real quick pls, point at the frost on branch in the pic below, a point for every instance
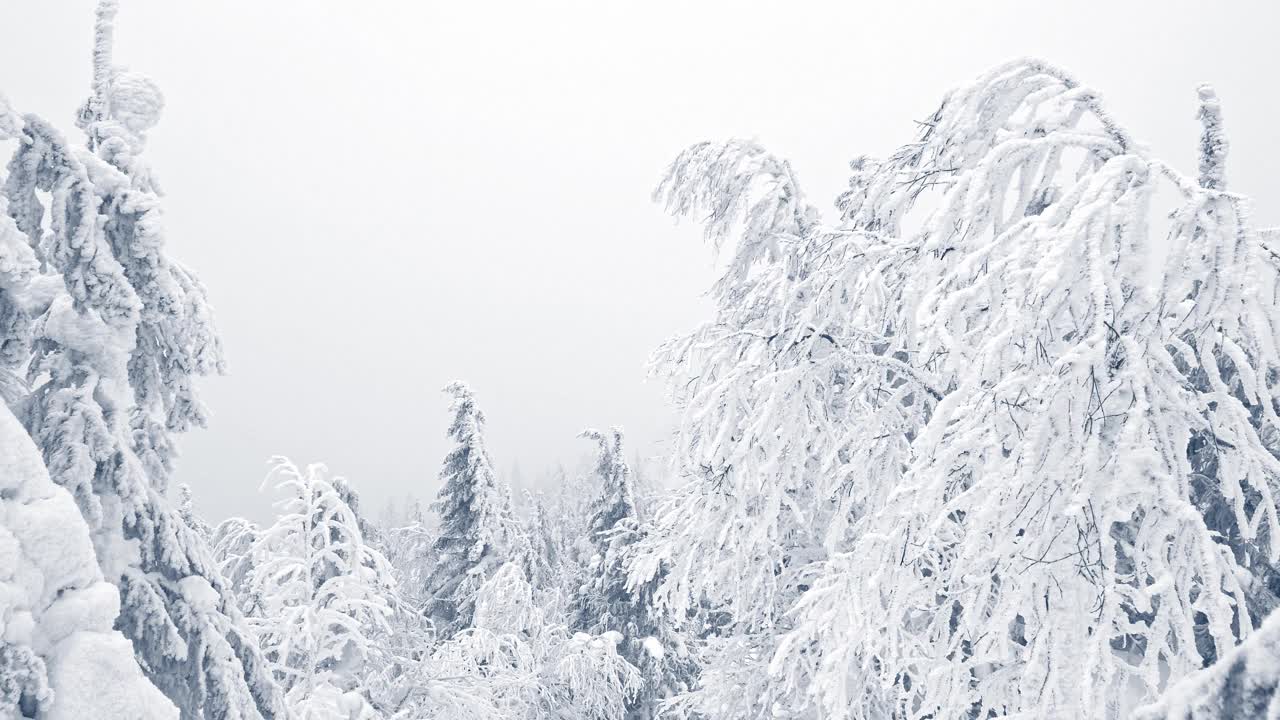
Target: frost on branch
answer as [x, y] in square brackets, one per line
[232, 544]
[1052, 510]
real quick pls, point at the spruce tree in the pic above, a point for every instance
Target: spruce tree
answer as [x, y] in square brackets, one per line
[186, 510]
[114, 353]
[542, 564]
[609, 601]
[1244, 683]
[468, 545]
[60, 657]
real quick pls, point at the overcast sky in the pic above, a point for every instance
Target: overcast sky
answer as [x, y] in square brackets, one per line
[383, 196]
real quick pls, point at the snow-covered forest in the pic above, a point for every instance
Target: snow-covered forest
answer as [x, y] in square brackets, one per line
[997, 434]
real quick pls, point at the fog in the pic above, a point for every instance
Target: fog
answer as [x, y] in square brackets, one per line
[385, 196]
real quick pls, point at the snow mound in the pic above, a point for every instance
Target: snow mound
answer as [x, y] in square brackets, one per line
[93, 674]
[136, 100]
[654, 647]
[199, 594]
[54, 602]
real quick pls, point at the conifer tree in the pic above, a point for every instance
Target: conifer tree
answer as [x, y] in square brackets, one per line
[609, 602]
[60, 657]
[113, 355]
[471, 533]
[348, 494]
[186, 510]
[542, 566]
[604, 603]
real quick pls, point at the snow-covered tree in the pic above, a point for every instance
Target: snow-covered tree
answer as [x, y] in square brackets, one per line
[469, 542]
[60, 658]
[111, 336]
[608, 602]
[186, 510]
[233, 544]
[602, 601]
[515, 662]
[987, 392]
[794, 417]
[1243, 684]
[566, 519]
[616, 497]
[371, 533]
[325, 594]
[543, 560]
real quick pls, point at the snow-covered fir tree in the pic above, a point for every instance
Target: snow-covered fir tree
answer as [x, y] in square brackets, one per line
[186, 510]
[370, 531]
[607, 601]
[111, 336]
[602, 601]
[60, 657]
[325, 594]
[567, 518]
[543, 560]
[469, 541]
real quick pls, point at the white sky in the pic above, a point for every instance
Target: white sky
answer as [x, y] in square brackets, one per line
[384, 196]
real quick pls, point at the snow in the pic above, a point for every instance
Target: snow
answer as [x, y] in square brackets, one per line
[10, 121]
[654, 648]
[93, 607]
[136, 101]
[93, 675]
[17, 260]
[199, 594]
[1242, 684]
[53, 599]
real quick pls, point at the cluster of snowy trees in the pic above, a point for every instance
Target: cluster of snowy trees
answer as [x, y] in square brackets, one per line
[487, 611]
[997, 439]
